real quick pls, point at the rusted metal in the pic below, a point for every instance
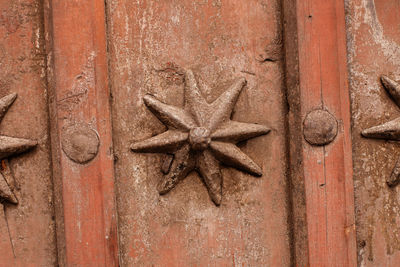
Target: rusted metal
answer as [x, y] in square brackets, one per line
[27, 230]
[80, 142]
[201, 135]
[219, 39]
[319, 127]
[10, 146]
[388, 130]
[151, 44]
[394, 178]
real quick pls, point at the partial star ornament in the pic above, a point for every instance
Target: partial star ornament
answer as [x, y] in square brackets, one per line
[9, 146]
[389, 130]
[201, 135]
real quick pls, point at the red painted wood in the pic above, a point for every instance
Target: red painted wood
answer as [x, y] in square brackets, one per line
[7, 254]
[151, 43]
[328, 169]
[80, 91]
[27, 230]
[374, 39]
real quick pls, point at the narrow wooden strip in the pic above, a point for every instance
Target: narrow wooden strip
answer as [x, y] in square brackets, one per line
[298, 215]
[79, 95]
[327, 170]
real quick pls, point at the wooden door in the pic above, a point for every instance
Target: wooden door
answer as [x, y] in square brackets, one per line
[199, 133]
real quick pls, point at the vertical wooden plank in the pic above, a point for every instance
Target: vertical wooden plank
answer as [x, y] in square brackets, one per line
[373, 43]
[80, 100]
[27, 230]
[151, 44]
[327, 169]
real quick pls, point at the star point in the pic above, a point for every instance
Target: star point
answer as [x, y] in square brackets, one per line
[389, 130]
[9, 147]
[5, 103]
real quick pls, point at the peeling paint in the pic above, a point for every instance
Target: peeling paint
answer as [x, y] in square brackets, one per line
[22, 70]
[372, 53]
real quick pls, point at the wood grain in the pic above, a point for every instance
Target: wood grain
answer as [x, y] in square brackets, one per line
[327, 169]
[31, 227]
[151, 44]
[79, 94]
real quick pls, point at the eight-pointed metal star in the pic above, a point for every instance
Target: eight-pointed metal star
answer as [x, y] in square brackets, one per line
[201, 135]
[389, 130]
[9, 146]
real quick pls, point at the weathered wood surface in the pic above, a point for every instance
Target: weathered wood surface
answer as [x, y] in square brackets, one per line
[151, 43]
[27, 230]
[327, 169]
[374, 50]
[79, 95]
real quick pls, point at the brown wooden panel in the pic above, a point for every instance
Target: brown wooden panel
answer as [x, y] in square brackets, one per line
[374, 43]
[151, 44]
[30, 224]
[80, 101]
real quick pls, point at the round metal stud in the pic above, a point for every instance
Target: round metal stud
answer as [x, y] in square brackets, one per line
[199, 138]
[320, 127]
[80, 143]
